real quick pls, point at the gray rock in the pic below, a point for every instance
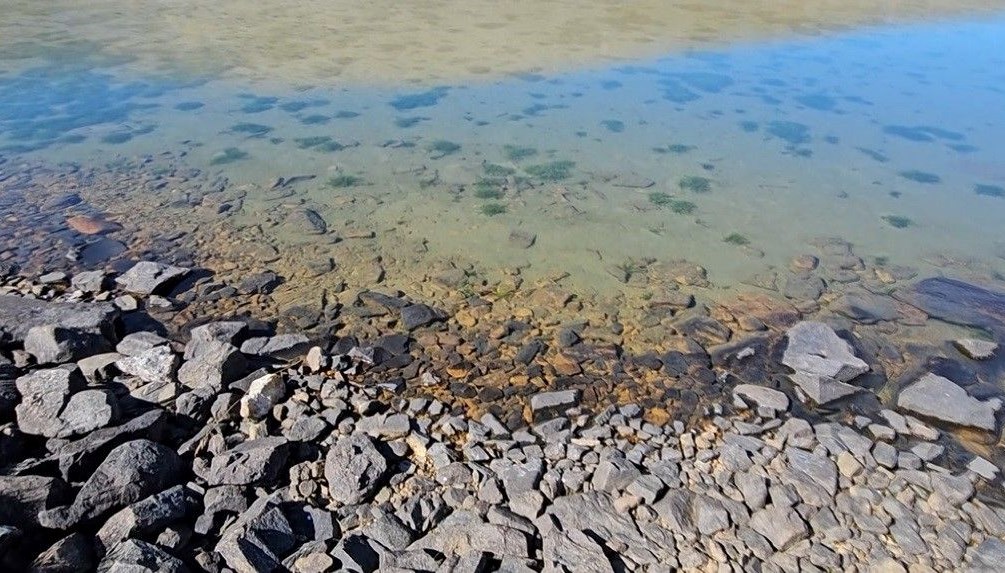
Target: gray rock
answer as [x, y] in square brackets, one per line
[306, 221]
[353, 469]
[279, 347]
[44, 394]
[258, 540]
[940, 399]
[87, 411]
[224, 332]
[51, 344]
[19, 315]
[78, 459]
[983, 467]
[153, 365]
[595, 512]
[976, 349]
[135, 556]
[765, 397]
[139, 342]
[100, 367]
[388, 530]
[22, 497]
[68, 555]
[709, 515]
[822, 361]
[574, 551]
[418, 315]
[519, 478]
[212, 365]
[866, 308]
[260, 283]
[90, 281]
[263, 394]
[989, 555]
[145, 516]
[253, 462]
[547, 402]
[781, 525]
[464, 533]
[147, 277]
[131, 472]
[614, 475]
[820, 469]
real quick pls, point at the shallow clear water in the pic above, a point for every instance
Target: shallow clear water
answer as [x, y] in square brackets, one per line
[733, 155]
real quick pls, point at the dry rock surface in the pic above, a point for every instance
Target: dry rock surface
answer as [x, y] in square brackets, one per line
[226, 446]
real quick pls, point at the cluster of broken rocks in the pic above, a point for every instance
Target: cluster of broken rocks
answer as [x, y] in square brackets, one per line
[125, 448]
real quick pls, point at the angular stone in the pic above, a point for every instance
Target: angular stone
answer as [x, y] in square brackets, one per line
[147, 277]
[90, 281]
[976, 349]
[51, 344]
[87, 411]
[940, 399]
[614, 475]
[781, 525]
[22, 497]
[154, 365]
[548, 402]
[822, 470]
[252, 462]
[213, 365]
[279, 347]
[139, 342]
[258, 540]
[131, 472]
[78, 459]
[353, 469]
[145, 516]
[574, 551]
[417, 315]
[71, 553]
[263, 394]
[19, 315]
[136, 556]
[815, 349]
[762, 396]
[463, 533]
[44, 394]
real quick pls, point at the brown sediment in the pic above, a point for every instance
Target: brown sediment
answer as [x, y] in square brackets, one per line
[316, 41]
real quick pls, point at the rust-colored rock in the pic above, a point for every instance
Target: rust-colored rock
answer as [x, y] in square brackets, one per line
[92, 225]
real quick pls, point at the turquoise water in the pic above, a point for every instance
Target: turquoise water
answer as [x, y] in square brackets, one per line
[734, 158]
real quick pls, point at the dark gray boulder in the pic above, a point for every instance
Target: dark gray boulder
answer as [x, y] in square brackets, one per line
[79, 458]
[258, 540]
[130, 473]
[135, 556]
[146, 516]
[252, 462]
[147, 277]
[19, 315]
[22, 497]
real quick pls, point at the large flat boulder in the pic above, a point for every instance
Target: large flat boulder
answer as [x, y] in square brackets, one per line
[941, 399]
[823, 362]
[93, 321]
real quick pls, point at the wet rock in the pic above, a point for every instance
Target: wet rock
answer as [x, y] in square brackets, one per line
[131, 472]
[957, 302]
[306, 221]
[22, 497]
[804, 288]
[136, 556]
[522, 239]
[257, 461]
[353, 469]
[706, 330]
[940, 399]
[418, 315]
[866, 308]
[147, 277]
[92, 225]
[822, 361]
[976, 349]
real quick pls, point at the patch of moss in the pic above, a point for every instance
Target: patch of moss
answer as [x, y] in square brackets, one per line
[251, 129]
[442, 148]
[189, 105]
[552, 171]
[229, 155]
[319, 143]
[344, 180]
[660, 198]
[696, 184]
[315, 119]
[516, 152]
[989, 190]
[736, 239]
[898, 221]
[496, 170]
[920, 176]
[492, 209]
[683, 207]
[487, 189]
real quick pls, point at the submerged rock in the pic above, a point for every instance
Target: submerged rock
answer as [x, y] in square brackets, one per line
[976, 349]
[958, 302]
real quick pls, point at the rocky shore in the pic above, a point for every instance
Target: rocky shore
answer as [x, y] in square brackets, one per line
[137, 437]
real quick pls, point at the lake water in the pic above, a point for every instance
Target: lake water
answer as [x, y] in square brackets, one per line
[577, 143]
